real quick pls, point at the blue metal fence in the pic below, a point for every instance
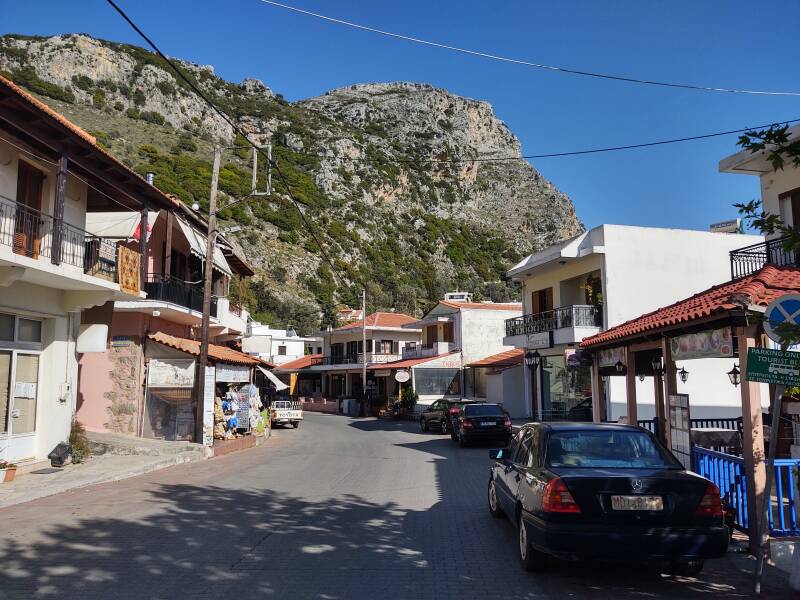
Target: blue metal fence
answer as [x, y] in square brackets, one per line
[728, 473]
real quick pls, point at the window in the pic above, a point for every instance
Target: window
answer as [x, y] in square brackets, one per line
[29, 186]
[383, 346]
[281, 350]
[609, 449]
[541, 301]
[438, 382]
[7, 328]
[523, 452]
[448, 333]
[29, 330]
[483, 410]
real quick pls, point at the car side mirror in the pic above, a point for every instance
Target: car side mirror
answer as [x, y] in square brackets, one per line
[496, 453]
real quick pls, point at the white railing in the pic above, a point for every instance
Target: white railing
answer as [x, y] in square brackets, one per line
[425, 350]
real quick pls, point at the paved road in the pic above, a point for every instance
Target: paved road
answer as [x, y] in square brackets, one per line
[337, 509]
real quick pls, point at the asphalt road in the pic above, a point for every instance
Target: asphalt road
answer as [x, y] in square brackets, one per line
[336, 509]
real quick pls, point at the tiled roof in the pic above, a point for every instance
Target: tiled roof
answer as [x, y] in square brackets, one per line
[299, 363]
[760, 288]
[215, 353]
[509, 358]
[380, 319]
[406, 363]
[483, 305]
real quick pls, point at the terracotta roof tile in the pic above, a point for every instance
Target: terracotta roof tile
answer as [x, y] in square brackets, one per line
[215, 353]
[509, 358]
[760, 288]
[380, 319]
[299, 363]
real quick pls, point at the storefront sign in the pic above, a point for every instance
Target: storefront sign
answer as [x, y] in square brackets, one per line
[171, 373]
[382, 373]
[208, 407]
[612, 356]
[538, 341]
[714, 343]
[773, 366]
[232, 373]
[402, 376]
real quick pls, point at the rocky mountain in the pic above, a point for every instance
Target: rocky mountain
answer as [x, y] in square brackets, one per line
[378, 171]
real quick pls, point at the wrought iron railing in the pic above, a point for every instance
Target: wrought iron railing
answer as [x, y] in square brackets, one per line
[176, 291]
[355, 359]
[31, 233]
[578, 315]
[748, 260]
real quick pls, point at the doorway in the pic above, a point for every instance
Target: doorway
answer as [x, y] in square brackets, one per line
[19, 378]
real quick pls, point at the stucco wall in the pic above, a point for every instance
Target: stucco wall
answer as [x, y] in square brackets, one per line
[774, 184]
[482, 332]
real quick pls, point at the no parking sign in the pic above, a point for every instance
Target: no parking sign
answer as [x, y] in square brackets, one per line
[781, 312]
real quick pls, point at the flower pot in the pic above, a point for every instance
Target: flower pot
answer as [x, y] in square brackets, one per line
[9, 475]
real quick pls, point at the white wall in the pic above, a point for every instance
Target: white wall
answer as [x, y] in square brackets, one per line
[775, 183]
[482, 332]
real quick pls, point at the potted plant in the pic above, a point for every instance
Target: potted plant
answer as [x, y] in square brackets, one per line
[9, 470]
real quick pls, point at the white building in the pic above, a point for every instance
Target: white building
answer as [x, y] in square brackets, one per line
[279, 346]
[599, 279]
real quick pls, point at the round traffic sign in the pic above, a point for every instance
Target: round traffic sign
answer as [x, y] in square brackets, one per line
[782, 311]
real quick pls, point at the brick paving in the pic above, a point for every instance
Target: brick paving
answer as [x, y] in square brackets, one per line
[336, 509]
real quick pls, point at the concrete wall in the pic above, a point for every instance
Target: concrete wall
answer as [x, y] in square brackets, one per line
[508, 388]
[553, 275]
[482, 332]
[774, 184]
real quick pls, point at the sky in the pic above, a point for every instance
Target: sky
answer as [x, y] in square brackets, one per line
[732, 44]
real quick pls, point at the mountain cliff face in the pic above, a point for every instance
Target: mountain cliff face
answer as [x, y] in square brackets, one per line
[378, 171]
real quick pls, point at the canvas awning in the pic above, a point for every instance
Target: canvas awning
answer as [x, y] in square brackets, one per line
[197, 246]
[279, 385]
[117, 225]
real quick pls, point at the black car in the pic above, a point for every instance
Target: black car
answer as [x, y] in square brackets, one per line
[439, 414]
[604, 491]
[485, 422]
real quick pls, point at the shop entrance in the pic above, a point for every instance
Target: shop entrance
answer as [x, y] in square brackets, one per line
[19, 378]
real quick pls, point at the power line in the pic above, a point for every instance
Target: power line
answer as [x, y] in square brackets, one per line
[230, 122]
[525, 63]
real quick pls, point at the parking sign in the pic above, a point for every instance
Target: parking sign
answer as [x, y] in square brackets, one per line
[773, 366]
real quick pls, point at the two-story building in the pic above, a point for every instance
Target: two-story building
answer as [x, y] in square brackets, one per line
[279, 346]
[52, 269]
[602, 278]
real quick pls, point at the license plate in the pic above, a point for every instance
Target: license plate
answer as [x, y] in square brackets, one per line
[650, 503]
[488, 423]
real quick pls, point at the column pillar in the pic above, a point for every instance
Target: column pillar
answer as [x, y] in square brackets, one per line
[58, 211]
[598, 389]
[752, 437]
[630, 385]
[670, 385]
[143, 243]
[658, 383]
[168, 245]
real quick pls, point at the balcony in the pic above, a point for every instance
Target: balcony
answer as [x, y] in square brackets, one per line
[355, 359]
[748, 260]
[176, 291]
[569, 324]
[34, 234]
[425, 350]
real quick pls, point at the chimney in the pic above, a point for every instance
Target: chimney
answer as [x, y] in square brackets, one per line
[150, 176]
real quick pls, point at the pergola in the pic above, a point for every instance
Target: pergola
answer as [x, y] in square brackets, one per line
[736, 307]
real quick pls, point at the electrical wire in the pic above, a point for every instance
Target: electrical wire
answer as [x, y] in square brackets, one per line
[230, 122]
[525, 63]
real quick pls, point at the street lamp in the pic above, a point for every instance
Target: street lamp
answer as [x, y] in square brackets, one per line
[733, 374]
[683, 374]
[533, 359]
[658, 368]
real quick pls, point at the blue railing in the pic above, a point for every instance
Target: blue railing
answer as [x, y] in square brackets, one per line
[728, 473]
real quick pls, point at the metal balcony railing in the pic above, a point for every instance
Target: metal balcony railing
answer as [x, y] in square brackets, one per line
[748, 260]
[32, 233]
[578, 315]
[355, 359]
[176, 291]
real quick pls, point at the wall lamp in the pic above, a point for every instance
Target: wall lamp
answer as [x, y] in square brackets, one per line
[683, 374]
[658, 367]
[619, 366]
[734, 374]
[533, 359]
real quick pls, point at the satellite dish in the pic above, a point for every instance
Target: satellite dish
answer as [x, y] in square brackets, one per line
[402, 376]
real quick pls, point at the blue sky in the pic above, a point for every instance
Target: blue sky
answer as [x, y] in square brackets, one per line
[698, 42]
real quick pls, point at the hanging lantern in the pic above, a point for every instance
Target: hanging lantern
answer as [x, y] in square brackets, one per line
[733, 374]
[533, 359]
[641, 376]
[658, 369]
[619, 366]
[683, 374]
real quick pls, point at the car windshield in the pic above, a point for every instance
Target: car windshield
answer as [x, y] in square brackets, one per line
[483, 410]
[611, 449]
[282, 404]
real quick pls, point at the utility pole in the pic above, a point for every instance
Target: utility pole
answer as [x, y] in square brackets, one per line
[207, 280]
[364, 353]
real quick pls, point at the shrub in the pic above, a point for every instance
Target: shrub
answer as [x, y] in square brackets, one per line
[82, 82]
[152, 116]
[99, 98]
[133, 113]
[138, 97]
[118, 106]
[166, 88]
[79, 442]
[28, 78]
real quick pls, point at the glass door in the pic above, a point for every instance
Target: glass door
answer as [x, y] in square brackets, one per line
[19, 377]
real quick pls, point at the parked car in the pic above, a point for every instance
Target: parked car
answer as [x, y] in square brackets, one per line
[438, 414]
[454, 416]
[604, 491]
[286, 412]
[485, 422]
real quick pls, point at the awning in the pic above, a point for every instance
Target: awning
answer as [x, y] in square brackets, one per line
[117, 225]
[197, 246]
[279, 385]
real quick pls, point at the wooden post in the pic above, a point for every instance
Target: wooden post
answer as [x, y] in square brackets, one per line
[143, 242]
[168, 245]
[58, 210]
[598, 389]
[658, 383]
[630, 385]
[752, 437]
[670, 384]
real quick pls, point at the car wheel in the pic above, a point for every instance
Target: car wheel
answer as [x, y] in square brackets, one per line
[687, 568]
[445, 428]
[494, 502]
[296, 424]
[423, 425]
[532, 560]
[462, 441]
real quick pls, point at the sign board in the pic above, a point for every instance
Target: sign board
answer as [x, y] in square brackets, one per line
[782, 311]
[539, 341]
[257, 344]
[714, 343]
[402, 376]
[208, 407]
[382, 373]
[730, 226]
[232, 373]
[171, 373]
[680, 427]
[773, 366]
[121, 341]
[610, 357]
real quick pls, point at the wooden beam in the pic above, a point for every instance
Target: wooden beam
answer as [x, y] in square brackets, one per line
[143, 243]
[670, 385]
[752, 437]
[168, 245]
[630, 385]
[58, 210]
